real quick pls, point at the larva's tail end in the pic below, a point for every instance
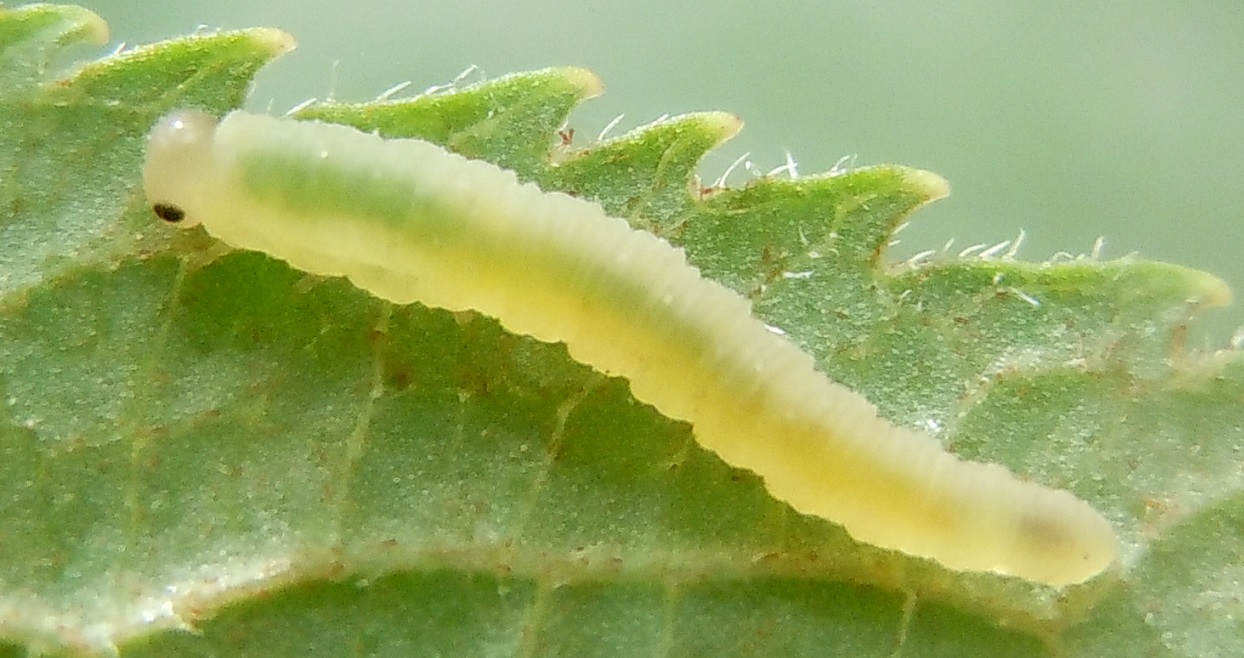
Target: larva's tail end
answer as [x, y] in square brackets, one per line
[1061, 540]
[179, 155]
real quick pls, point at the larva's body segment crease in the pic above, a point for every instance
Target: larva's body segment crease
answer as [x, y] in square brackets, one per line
[411, 222]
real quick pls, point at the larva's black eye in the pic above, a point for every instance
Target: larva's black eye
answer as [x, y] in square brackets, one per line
[168, 212]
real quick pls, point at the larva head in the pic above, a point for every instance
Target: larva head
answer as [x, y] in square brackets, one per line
[179, 159]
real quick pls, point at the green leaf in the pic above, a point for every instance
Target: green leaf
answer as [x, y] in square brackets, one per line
[206, 452]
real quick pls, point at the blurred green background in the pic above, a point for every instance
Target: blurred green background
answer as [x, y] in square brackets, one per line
[1069, 120]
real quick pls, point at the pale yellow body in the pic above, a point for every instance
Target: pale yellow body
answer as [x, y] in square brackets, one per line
[411, 222]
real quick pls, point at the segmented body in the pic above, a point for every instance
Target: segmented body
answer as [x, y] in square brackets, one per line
[410, 222]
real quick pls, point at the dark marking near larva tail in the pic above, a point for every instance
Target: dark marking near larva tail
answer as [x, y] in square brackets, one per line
[168, 212]
[1049, 534]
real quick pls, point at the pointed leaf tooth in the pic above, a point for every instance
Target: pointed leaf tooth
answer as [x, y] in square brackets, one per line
[193, 68]
[32, 36]
[508, 121]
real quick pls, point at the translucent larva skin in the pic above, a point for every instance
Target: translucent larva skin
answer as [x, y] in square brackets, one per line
[410, 222]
